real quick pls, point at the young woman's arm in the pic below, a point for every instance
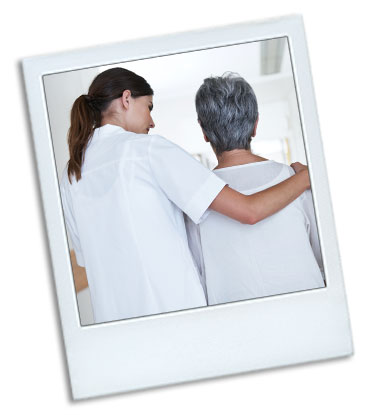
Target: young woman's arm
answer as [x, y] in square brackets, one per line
[253, 208]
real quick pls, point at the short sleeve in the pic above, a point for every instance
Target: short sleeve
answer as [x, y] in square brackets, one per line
[184, 180]
[69, 218]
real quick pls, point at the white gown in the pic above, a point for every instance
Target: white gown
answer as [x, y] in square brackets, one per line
[125, 221]
[280, 254]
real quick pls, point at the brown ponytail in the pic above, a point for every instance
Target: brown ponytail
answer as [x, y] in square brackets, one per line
[86, 111]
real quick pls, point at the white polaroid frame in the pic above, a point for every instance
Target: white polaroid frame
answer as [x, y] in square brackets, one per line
[212, 341]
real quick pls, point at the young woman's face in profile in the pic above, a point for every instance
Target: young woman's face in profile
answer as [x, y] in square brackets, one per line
[139, 118]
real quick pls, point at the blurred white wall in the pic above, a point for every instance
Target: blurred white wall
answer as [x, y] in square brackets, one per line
[62, 89]
[175, 80]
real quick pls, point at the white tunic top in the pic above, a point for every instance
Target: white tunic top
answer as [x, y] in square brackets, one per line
[126, 224]
[278, 255]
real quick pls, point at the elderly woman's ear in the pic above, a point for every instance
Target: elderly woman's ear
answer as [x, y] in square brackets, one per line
[204, 135]
[255, 127]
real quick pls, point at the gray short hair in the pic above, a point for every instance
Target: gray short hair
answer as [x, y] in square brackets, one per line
[227, 110]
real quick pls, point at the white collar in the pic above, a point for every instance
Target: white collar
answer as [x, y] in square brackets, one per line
[107, 129]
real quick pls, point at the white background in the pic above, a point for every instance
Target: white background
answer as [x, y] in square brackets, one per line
[32, 366]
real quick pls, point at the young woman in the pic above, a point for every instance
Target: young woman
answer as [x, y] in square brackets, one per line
[124, 193]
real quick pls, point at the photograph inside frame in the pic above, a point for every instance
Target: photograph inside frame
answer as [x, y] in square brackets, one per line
[146, 153]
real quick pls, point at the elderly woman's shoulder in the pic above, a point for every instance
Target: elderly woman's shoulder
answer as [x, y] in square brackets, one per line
[289, 169]
[282, 168]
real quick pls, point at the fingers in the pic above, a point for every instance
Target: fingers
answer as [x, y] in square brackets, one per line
[298, 167]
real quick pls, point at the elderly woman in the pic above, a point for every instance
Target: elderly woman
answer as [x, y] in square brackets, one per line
[278, 255]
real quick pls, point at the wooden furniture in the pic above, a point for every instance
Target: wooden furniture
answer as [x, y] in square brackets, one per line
[79, 273]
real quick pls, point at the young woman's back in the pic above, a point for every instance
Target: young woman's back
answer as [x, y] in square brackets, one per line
[126, 223]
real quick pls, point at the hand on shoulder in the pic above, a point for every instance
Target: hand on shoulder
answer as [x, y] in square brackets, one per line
[298, 167]
[302, 169]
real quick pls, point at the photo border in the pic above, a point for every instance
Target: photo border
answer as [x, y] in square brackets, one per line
[212, 341]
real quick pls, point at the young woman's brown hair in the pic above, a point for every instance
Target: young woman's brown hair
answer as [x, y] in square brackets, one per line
[87, 109]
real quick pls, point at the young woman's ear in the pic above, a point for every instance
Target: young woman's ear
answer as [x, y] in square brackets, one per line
[125, 98]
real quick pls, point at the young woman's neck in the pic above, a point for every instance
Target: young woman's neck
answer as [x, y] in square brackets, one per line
[236, 158]
[113, 120]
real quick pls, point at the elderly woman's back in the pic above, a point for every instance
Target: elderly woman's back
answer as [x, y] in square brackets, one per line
[279, 255]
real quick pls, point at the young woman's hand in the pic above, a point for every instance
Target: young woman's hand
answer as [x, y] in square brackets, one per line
[300, 168]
